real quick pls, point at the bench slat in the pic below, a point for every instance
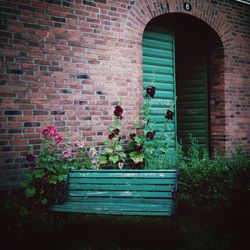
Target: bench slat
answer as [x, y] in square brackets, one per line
[130, 200]
[124, 187]
[120, 181]
[121, 194]
[117, 206]
[139, 213]
[111, 208]
[123, 174]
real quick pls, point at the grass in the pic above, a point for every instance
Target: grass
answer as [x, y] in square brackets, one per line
[124, 233]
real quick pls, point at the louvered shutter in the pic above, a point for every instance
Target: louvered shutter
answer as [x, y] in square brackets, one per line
[192, 96]
[159, 71]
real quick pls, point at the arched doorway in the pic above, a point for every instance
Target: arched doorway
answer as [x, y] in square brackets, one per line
[194, 44]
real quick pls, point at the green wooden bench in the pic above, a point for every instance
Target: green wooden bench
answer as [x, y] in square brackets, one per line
[120, 192]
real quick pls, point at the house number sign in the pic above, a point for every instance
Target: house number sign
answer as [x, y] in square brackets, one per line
[187, 6]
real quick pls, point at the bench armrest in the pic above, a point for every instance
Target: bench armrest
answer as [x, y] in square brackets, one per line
[60, 194]
[174, 192]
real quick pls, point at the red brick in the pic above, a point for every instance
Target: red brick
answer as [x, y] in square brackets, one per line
[103, 42]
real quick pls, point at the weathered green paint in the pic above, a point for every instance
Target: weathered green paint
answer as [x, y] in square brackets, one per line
[128, 193]
[159, 71]
[121, 180]
[124, 173]
[132, 193]
[120, 187]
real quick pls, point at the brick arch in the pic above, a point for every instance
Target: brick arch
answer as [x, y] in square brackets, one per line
[143, 11]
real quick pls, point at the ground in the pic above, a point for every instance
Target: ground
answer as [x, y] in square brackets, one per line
[124, 233]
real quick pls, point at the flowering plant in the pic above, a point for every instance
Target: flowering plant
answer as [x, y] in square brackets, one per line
[112, 153]
[146, 145]
[44, 184]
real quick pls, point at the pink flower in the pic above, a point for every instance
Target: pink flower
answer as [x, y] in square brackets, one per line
[52, 130]
[46, 132]
[57, 138]
[67, 153]
[92, 151]
[80, 143]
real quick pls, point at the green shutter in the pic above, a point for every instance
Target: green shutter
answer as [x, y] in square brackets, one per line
[159, 71]
[192, 96]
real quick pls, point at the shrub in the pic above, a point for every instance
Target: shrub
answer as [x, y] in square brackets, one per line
[213, 186]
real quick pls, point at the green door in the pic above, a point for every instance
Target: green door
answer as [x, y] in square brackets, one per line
[159, 71]
[192, 93]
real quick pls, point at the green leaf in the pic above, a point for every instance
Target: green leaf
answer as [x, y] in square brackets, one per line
[139, 139]
[114, 159]
[118, 148]
[52, 179]
[25, 183]
[44, 201]
[122, 155]
[23, 211]
[103, 160]
[106, 143]
[137, 157]
[138, 124]
[61, 178]
[39, 173]
[108, 150]
[131, 145]
[30, 191]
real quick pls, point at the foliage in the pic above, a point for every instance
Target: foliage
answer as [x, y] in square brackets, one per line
[210, 186]
[146, 145]
[44, 183]
[112, 153]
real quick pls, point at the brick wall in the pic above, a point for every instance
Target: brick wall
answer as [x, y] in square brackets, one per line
[73, 60]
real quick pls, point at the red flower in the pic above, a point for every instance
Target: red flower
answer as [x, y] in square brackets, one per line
[132, 136]
[116, 131]
[112, 135]
[52, 130]
[138, 148]
[30, 157]
[46, 132]
[150, 135]
[169, 115]
[150, 91]
[118, 111]
[57, 138]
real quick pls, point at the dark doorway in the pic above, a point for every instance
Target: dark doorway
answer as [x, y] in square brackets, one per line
[194, 43]
[192, 89]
